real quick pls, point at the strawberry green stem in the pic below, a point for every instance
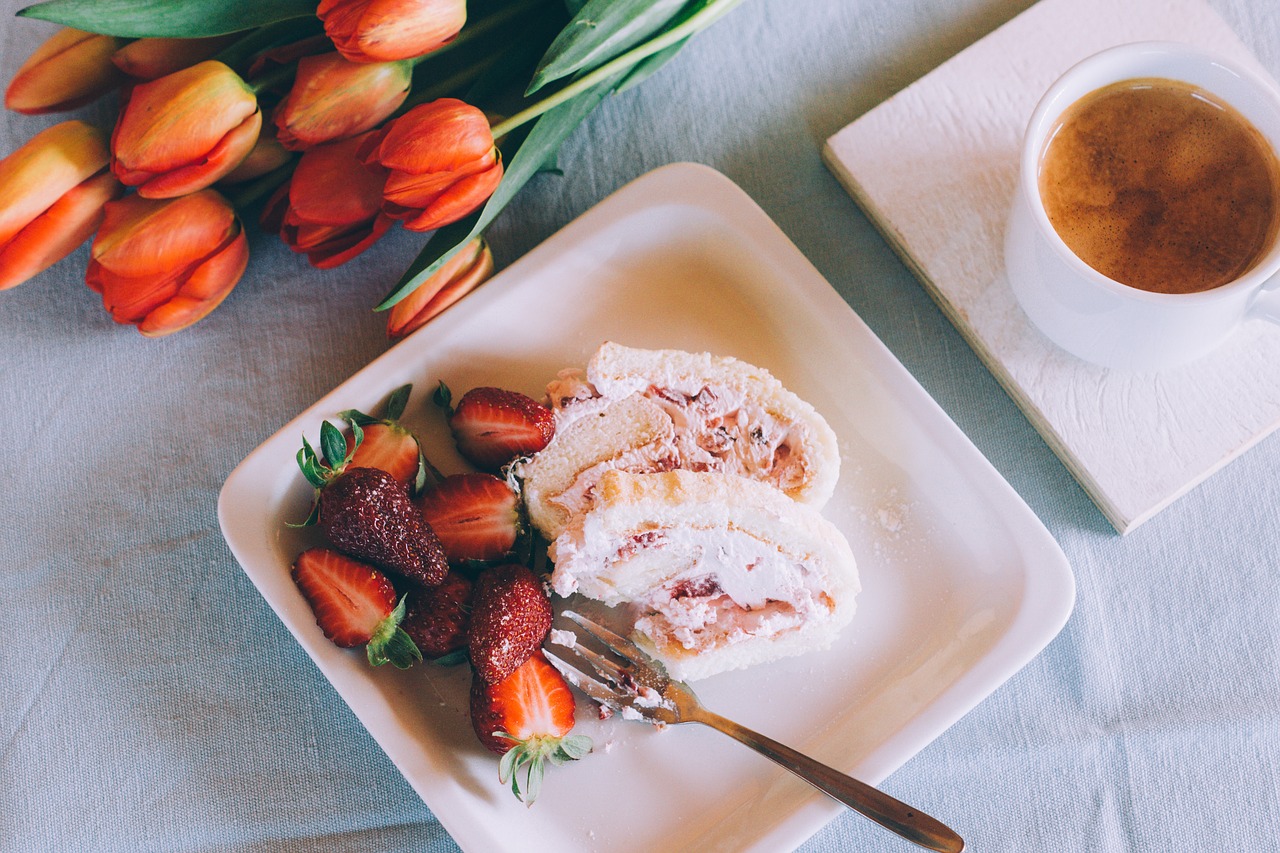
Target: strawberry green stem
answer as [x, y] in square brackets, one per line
[700, 20]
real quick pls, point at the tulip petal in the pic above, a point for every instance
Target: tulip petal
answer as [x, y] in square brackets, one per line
[384, 30]
[441, 135]
[204, 291]
[333, 98]
[221, 160]
[338, 251]
[153, 58]
[460, 275]
[129, 300]
[50, 164]
[176, 120]
[70, 69]
[145, 237]
[332, 188]
[57, 232]
[460, 199]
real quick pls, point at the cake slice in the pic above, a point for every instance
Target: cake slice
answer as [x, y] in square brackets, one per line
[719, 571]
[645, 410]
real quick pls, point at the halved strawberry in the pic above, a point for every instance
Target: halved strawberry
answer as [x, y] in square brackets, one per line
[493, 426]
[436, 617]
[355, 605]
[510, 617]
[476, 516]
[385, 444]
[526, 718]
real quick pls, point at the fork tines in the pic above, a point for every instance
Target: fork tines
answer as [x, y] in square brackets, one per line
[616, 683]
[616, 643]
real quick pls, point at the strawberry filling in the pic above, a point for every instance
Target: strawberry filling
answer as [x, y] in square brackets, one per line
[716, 429]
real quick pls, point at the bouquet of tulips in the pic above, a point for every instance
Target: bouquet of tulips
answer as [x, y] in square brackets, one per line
[327, 124]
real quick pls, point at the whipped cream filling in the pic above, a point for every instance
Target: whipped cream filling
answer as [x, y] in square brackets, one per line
[713, 587]
[736, 587]
[716, 429]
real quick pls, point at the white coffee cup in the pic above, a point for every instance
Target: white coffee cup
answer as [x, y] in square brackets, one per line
[1085, 312]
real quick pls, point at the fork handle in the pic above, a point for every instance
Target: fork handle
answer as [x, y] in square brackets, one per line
[912, 824]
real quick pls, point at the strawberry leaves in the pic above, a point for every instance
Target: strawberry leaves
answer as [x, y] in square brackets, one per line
[533, 755]
[319, 470]
[390, 644]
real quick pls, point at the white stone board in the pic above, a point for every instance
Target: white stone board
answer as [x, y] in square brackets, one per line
[934, 167]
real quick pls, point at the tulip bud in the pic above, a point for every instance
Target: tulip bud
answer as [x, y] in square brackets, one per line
[387, 30]
[331, 208]
[442, 161]
[163, 264]
[69, 70]
[460, 275]
[332, 99]
[53, 188]
[153, 58]
[184, 131]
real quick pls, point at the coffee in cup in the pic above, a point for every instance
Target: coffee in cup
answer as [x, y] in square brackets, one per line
[1161, 185]
[1136, 266]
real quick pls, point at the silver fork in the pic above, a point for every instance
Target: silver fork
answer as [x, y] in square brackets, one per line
[638, 682]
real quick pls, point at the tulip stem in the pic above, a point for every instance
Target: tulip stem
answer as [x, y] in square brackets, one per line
[481, 27]
[449, 85]
[694, 23]
[240, 51]
[283, 74]
[244, 195]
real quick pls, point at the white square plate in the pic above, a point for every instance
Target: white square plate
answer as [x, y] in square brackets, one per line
[962, 584]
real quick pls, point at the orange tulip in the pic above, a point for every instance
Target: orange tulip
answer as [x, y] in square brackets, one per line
[331, 208]
[72, 68]
[53, 188]
[184, 131]
[163, 264]
[153, 58]
[386, 30]
[332, 99]
[460, 275]
[443, 163]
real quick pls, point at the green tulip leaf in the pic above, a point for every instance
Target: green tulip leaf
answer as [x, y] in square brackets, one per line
[525, 155]
[645, 68]
[168, 18]
[603, 30]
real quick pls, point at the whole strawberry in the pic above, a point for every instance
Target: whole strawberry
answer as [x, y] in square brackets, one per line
[526, 718]
[476, 516]
[510, 617]
[387, 444]
[366, 513]
[355, 605]
[436, 618]
[493, 426]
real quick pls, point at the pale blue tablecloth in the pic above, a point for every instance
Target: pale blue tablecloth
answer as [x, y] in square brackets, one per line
[150, 700]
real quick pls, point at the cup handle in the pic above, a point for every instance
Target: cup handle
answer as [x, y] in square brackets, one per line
[1266, 304]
